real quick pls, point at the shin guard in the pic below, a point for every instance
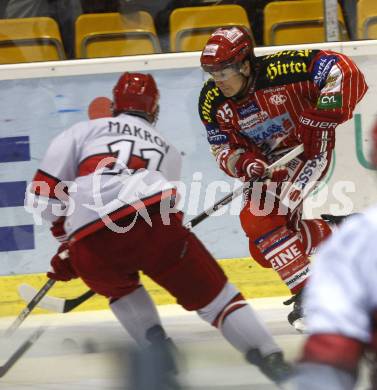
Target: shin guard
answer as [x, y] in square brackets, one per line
[283, 249]
[313, 232]
[238, 322]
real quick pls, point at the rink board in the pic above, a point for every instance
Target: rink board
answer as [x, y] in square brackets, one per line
[253, 281]
[26, 246]
[55, 95]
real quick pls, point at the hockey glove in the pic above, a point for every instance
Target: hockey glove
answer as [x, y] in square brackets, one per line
[317, 134]
[57, 230]
[61, 265]
[277, 175]
[251, 168]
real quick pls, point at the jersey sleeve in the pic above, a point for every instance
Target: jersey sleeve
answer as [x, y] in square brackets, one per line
[341, 85]
[47, 194]
[224, 145]
[338, 297]
[173, 167]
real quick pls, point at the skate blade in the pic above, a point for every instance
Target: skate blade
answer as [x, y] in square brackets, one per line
[299, 325]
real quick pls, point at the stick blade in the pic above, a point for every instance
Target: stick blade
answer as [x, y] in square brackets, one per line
[27, 293]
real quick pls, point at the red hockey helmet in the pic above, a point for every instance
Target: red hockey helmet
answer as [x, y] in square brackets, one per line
[227, 46]
[136, 93]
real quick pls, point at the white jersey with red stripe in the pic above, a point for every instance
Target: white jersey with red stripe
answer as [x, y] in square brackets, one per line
[341, 295]
[103, 170]
[340, 305]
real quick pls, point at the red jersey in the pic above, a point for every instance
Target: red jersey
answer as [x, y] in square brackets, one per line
[288, 84]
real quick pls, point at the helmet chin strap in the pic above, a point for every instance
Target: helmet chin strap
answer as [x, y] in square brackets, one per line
[249, 84]
[155, 115]
[247, 87]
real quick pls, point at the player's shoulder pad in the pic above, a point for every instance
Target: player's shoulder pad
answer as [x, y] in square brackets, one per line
[322, 66]
[209, 99]
[284, 67]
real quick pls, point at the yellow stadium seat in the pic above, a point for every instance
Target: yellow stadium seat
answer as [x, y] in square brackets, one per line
[297, 21]
[29, 40]
[115, 34]
[190, 27]
[367, 19]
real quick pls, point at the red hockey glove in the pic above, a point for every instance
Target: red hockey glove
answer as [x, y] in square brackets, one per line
[317, 134]
[61, 265]
[278, 174]
[249, 167]
[57, 230]
[252, 168]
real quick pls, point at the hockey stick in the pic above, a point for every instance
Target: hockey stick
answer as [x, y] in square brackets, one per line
[238, 191]
[20, 351]
[58, 305]
[62, 305]
[30, 306]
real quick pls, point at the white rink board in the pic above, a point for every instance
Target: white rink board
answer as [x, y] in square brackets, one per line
[39, 100]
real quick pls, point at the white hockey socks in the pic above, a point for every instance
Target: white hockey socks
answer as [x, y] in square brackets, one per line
[137, 313]
[243, 329]
[238, 322]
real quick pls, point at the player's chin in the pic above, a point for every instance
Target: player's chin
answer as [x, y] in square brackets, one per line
[227, 92]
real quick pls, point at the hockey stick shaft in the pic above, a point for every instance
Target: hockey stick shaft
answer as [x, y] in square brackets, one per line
[20, 352]
[237, 192]
[69, 304]
[30, 306]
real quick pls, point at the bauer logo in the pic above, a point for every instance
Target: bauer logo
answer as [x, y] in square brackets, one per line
[319, 124]
[274, 90]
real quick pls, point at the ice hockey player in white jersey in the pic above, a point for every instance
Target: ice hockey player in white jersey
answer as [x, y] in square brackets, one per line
[107, 187]
[340, 302]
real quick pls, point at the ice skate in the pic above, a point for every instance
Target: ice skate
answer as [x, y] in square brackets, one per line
[296, 316]
[155, 368]
[336, 219]
[273, 365]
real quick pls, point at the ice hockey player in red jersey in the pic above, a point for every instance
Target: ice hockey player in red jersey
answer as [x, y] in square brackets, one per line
[256, 109]
[340, 303]
[110, 180]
